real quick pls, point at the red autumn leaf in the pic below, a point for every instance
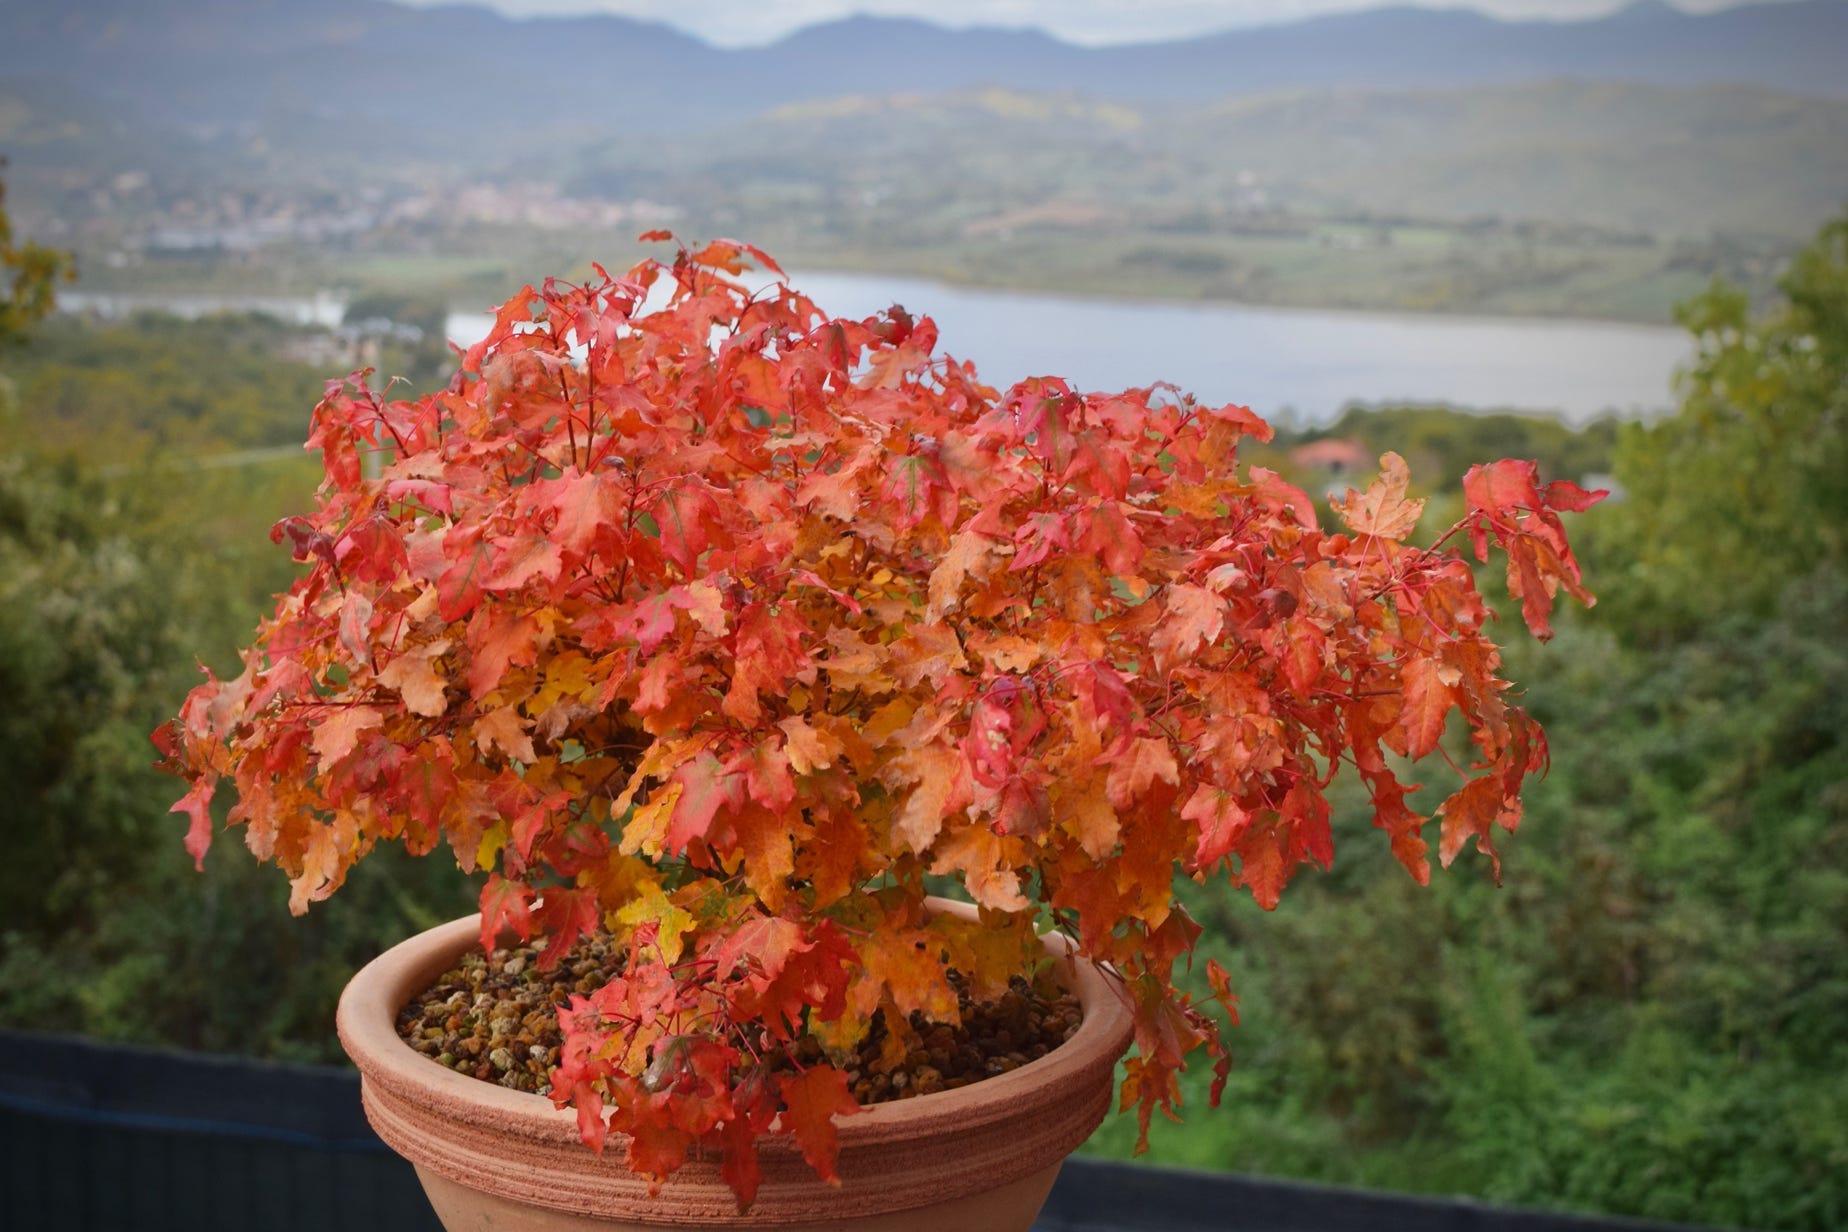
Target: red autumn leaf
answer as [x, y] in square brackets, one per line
[656, 1146]
[1220, 820]
[459, 589]
[340, 729]
[1263, 868]
[197, 804]
[705, 788]
[1472, 811]
[588, 1101]
[811, 1101]
[505, 907]
[1107, 533]
[372, 551]
[415, 678]
[498, 639]
[563, 915]
[1430, 694]
[686, 515]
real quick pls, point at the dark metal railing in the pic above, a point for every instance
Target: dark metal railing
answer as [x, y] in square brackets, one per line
[104, 1138]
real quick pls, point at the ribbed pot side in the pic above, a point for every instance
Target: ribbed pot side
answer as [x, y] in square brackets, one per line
[978, 1159]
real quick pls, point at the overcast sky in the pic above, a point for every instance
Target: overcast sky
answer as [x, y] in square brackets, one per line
[735, 23]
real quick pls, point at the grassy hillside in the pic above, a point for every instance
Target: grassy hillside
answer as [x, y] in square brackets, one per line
[1606, 200]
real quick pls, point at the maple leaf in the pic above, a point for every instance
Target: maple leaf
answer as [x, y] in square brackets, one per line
[1472, 811]
[356, 625]
[768, 655]
[647, 904]
[505, 906]
[941, 788]
[1262, 867]
[523, 558]
[1506, 503]
[1430, 694]
[808, 748]
[1083, 809]
[1107, 532]
[970, 555]
[765, 842]
[705, 787]
[586, 507]
[1195, 616]
[587, 1100]
[1382, 510]
[988, 863]
[1404, 826]
[656, 1148]
[337, 734]
[459, 587]
[414, 675]
[505, 729]
[564, 915]
[787, 970]
[1220, 821]
[372, 551]
[1143, 762]
[903, 964]
[196, 804]
[739, 1168]
[1146, 1086]
[1272, 492]
[811, 1101]
[686, 514]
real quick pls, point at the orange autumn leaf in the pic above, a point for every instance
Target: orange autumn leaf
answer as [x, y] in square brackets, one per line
[811, 1101]
[1383, 510]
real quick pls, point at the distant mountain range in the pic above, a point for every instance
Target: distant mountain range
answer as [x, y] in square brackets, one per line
[373, 76]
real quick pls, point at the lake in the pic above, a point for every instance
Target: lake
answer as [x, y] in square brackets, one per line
[1308, 363]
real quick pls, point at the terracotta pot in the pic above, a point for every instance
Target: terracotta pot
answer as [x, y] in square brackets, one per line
[978, 1159]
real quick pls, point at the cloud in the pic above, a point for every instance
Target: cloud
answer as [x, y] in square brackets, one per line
[743, 23]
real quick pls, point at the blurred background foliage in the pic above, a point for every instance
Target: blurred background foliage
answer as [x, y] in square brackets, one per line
[1647, 1019]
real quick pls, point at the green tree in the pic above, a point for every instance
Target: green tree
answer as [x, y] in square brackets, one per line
[29, 275]
[1743, 490]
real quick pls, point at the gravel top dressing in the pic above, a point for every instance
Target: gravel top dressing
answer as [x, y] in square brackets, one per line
[494, 1017]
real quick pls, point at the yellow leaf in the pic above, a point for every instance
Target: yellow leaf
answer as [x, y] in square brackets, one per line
[492, 840]
[646, 830]
[649, 904]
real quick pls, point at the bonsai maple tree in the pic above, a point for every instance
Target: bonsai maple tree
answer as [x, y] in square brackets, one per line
[725, 624]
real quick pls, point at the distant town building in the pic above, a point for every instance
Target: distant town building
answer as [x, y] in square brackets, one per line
[1334, 464]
